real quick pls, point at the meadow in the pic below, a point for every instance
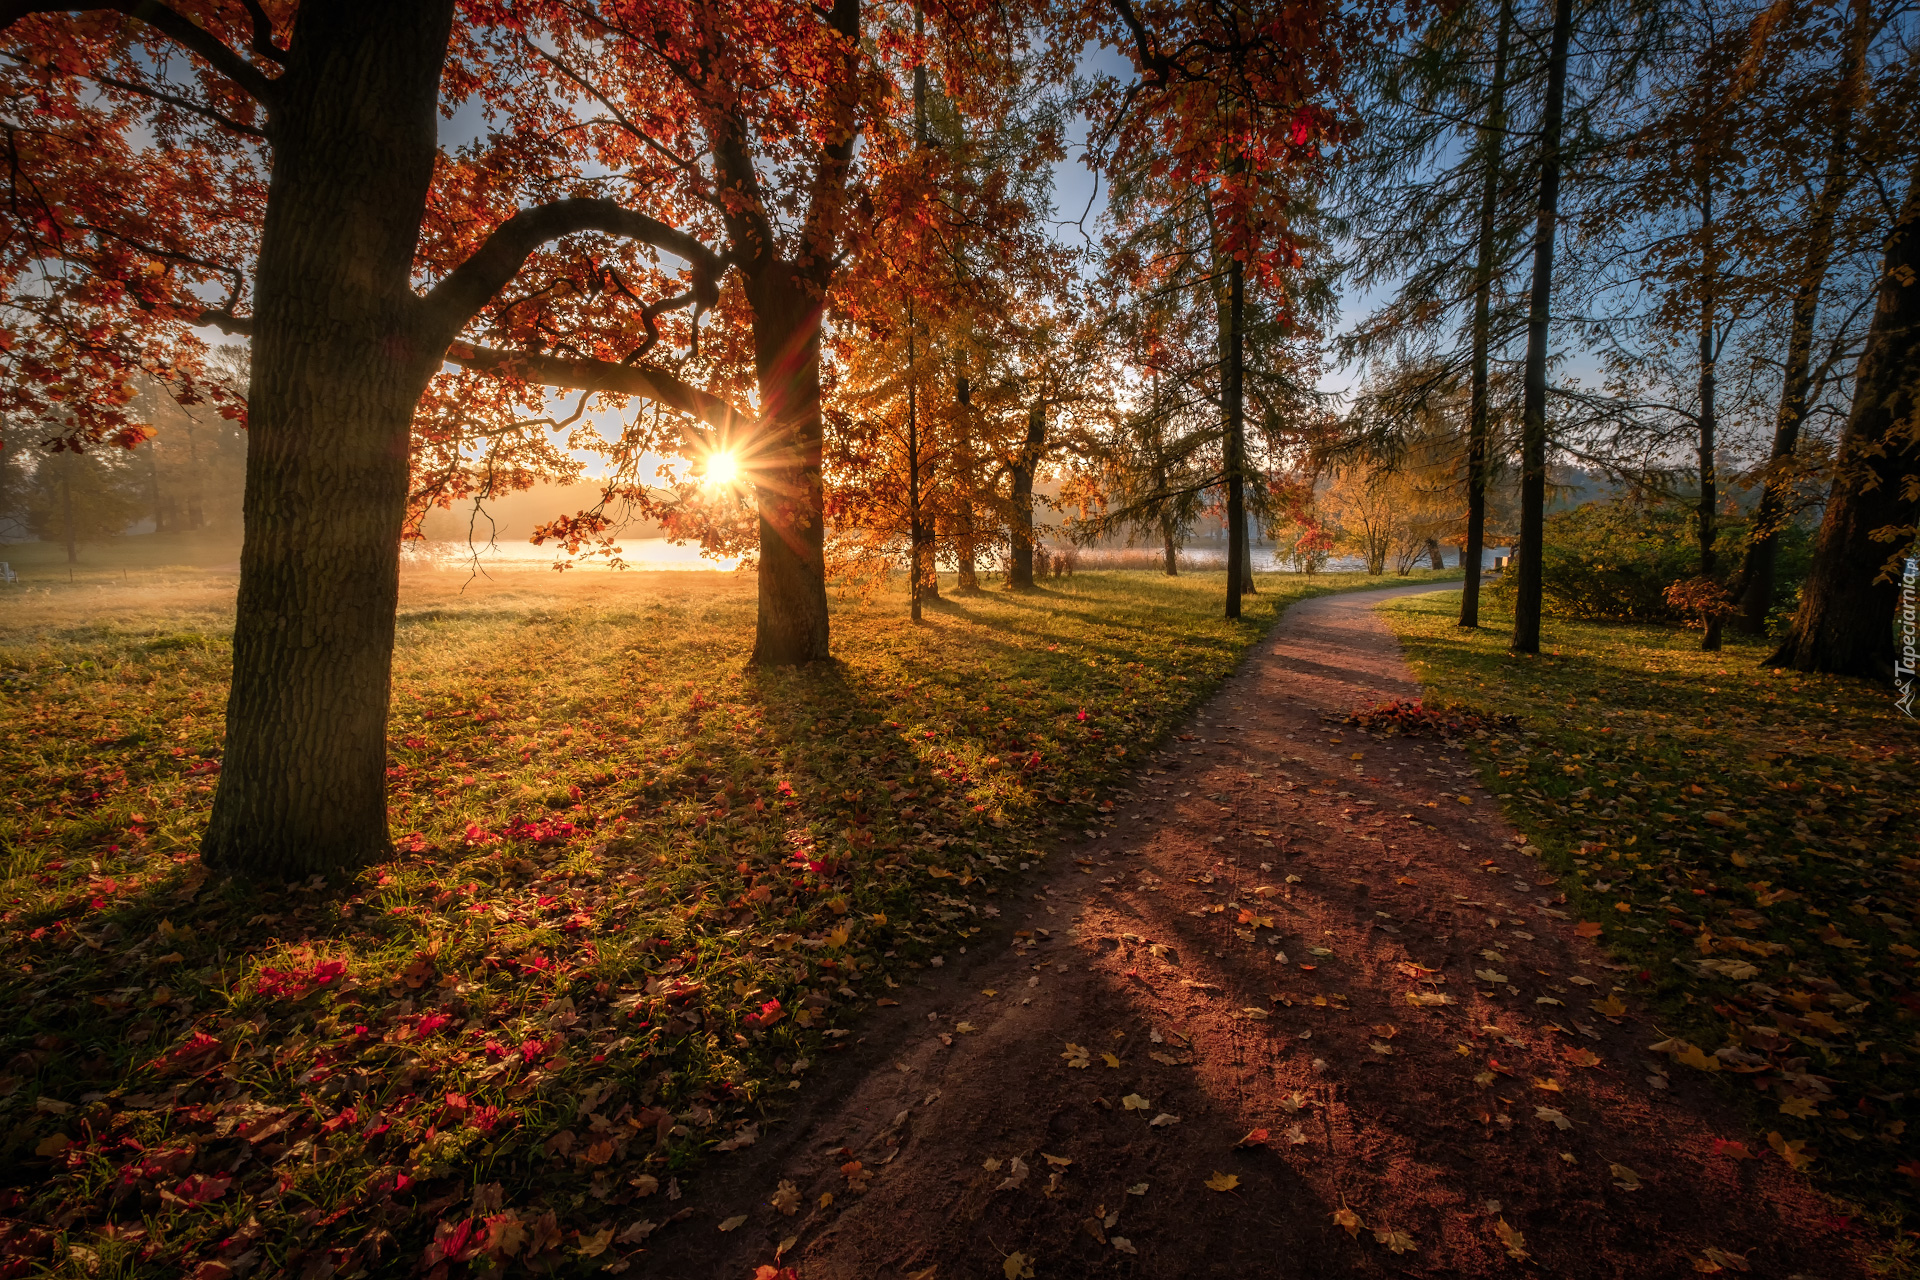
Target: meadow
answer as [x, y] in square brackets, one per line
[640, 892]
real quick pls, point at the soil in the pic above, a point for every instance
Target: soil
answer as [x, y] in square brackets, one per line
[1284, 1059]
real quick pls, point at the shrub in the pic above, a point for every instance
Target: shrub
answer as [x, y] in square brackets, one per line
[1613, 561]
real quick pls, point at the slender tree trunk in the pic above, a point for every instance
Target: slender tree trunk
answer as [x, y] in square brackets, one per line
[1025, 463]
[791, 626]
[1169, 549]
[916, 570]
[196, 510]
[153, 488]
[339, 363]
[1235, 441]
[966, 531]
[1753, 584]
[1708, 509]
[1533, 422]
[920, 555]
[1492, 144]
[1845, 622]
[66, 509]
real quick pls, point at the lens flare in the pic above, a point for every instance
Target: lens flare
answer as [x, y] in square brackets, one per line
[722, 468]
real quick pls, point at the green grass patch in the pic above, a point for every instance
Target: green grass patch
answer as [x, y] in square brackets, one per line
[1746, 841]
[642, 892]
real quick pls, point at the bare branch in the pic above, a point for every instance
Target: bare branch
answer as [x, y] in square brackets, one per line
[604, 375]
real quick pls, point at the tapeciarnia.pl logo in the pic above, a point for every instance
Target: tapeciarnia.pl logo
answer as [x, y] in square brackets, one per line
[1903, 668]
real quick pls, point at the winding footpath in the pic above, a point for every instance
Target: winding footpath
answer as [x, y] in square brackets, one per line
[1308, 1008]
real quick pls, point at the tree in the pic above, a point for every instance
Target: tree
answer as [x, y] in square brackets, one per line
[1533, 418]
[1809, 253]
[1226, 116]
[80, 496]
[1845, 621]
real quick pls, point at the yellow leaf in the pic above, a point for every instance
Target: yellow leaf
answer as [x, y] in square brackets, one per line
[1624, 908]
[1345, 1217]
[786, 1198]
[1110, 1060]
[592, 1246]
[1222, 1182]
[1799, 1108]
[734, 1223]
[53, 1146]
[1794, 1153]
[1397, 1241]
[1516, 1242]
[1018, 1266]
[1690, 1055]
[1625, 1177]
[1076, 1056]
[1134, 1102]
[1611, 1007]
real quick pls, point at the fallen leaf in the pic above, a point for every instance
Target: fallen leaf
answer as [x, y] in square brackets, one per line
[1016, 1175]
[1110, 1060]
[592, 1246]
[1018, 1266]
[1058, 1162]
[1397, 1241]
[1134, 1102]
[1345, 1217]
[1624, 1177]
[1489, 975]
[1583, 1058]
[1164, 1119]
[1254, 1138]
[1076, 1056]
[1137, 1189]
[1794, 1153]
[1553, 1117]
[1587, 929]
[1611, 1007]
[1222, 1182]
[1124, 1245]
[734, 1222]
[1516, 1243]
[786, 1198]
[1800, 1108]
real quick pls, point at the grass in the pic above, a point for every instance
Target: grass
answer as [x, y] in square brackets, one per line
[1744, 841]
[641, 893]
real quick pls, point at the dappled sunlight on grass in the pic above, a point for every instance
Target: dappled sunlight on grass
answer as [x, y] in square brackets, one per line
[1744, 838]
[638, 889]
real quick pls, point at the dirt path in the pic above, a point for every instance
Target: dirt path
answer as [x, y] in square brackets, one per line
[1380, 886]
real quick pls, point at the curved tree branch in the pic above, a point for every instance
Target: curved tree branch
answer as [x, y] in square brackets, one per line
[471, 285]
[604, 375]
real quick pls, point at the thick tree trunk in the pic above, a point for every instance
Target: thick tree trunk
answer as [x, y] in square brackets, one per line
[338, 365]
[1753, 584]
[1021, 469]
[1234, 445]
[1533, 422]
[1845, 622]
[791, 627]
[1491, 139]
